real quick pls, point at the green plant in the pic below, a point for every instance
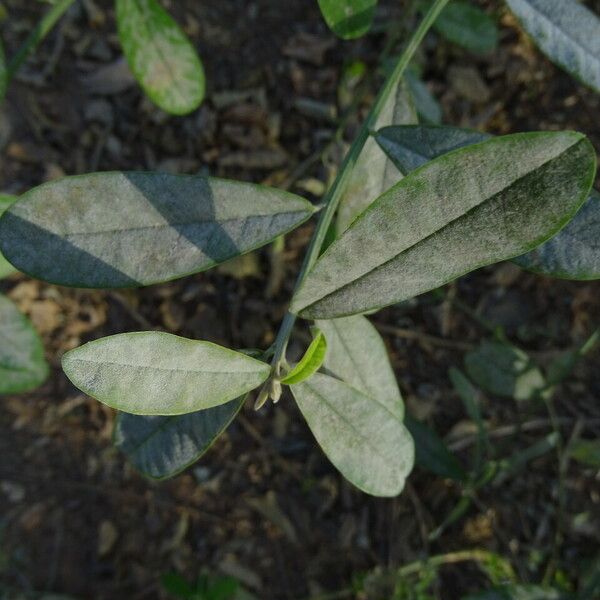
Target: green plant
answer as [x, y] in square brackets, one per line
[454, 205]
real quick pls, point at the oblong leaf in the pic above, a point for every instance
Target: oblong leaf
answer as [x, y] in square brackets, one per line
[162, 447]
[567, 32]
[153, 373]
[160, 56]
[310, 363]
[467, 209]
[520, 592]
[109, 230]
[357, 355]
[366, 442]
[22, 363]
[5, 267]
[348, 19]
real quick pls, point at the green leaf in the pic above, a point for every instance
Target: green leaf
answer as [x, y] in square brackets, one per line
[574, 253]
[467, 209]
[519, 592]
[152, 373]
[562, 366]
[431, 453]
[373, 172]
[586, 452]
[428, 108]
[162, 447]
[357, 355]
[567, 32]
[504, 370]
[161, 56]
[310, 363]
[348, 19]
[468, 26]
[22, 363]
[364, 440]
[109, 230]
[412, 146]
[5, 267]
[3, 73]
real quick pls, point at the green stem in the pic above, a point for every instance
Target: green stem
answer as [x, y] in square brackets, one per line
[335, 193]
[42, 29]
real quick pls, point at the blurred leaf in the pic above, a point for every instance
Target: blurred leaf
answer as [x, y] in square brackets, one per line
[364, 440]
[348, 19]
[357, 355]
[519, 592]
[431, 453]
[586, 452]
[562, 366]
[3, 73]
[310, 363]
[567, 32]
[428, 108]
[153, 373]
[109, 230]
[161, 56]
[5, 267]
[405, 245]
[162, 447]
[504, 370]
[177, 586]
[22, 363]
[468, 26]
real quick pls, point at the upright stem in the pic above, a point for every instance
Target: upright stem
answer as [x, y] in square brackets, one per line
[42, 29]
[336, 191]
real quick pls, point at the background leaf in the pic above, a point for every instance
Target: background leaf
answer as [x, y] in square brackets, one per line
[348, 19]
[108, 230]
[5, 267]
[161, 447]
[567, 32]
[451, 216]
[310, 363]
[22, 363]
[160, 55]
[428, 108]
[519, 592]
[153, 373]
[3, 72]
[366, 442]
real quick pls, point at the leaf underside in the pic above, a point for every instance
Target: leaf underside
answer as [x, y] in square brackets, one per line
[310, 363]
[115, 230]
[22, 363]
[5, 267]
[467, 209]
[162, 447]
[160, 56]
[567, 32]
[153, 373]
[348, 19]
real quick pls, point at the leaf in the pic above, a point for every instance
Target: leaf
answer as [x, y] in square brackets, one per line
[22, 363]
[357, 355]
[161, 56]
[364, 440]
[428, 108]
[467, 209]
[431, 453]
[468, 26]
[567, 32]
[562, 366]
[586, 452]
[162, 447]
[373, 172]
[574, 253]
[504, 370]
[3, 73]
[412, 146]
[5, 267]
[153, 373]
[348, 19]
[109, 230]
[310, 363]
[518, 592]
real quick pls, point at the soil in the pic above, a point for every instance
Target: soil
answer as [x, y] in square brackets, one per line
[264, 505]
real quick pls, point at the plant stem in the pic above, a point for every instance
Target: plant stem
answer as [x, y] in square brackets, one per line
[42, 29]
[336, 191]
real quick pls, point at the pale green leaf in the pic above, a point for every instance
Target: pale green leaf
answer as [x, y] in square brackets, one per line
[364, 440]
[348, 19]
[152, 373]
[357, 355]
[567, 32]
[428, 108]
[373, 172]
[22, 363]
[109, 230]
[5, 267]
[310, 363]
[472, 207]
[160, 55]
[468, 26]
[161, 447]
